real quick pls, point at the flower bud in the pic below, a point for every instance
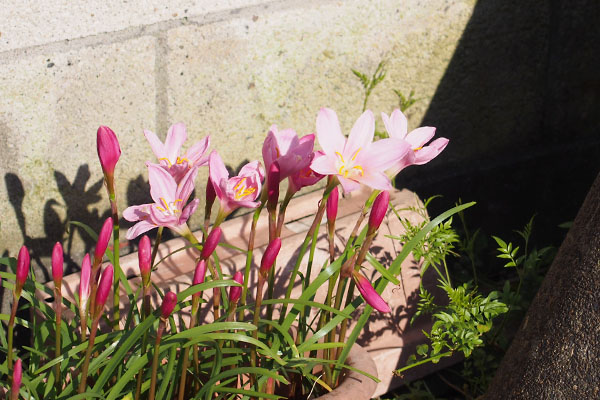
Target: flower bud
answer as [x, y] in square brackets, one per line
[199, 275]
[211, 242]
[211, 195]
[84, 282]
[235, 292]
[103, 289]
[103, 239]
[22, 269]
[270, 255]
[108, 149]
[16, 379]
[145, 259]
[168, 304]
[378, 211]
[273, 186]
[369, 293]
[57, 265]
[332, 205]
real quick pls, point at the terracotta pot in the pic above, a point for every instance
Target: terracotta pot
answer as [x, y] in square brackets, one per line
[354, 385]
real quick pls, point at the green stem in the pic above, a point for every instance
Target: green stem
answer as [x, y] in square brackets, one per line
[156, 244]
[145, 313]
[399, 372]
[186, 356]
[243, 299]
[344, 328]
[116, 263]
[88, 354]
[161, 328]
[256, 317]
[11, 326]
[282, 208]
[58, 348]
[271, 278]
[305, 283]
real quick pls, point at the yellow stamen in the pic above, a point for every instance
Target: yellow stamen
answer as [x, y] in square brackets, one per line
[181, 160]
[167, 160]
[355, 154]
[418, 148]
[340, 156]
[358, 167]
[239, 183]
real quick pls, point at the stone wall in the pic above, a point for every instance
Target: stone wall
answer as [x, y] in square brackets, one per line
[228, 69]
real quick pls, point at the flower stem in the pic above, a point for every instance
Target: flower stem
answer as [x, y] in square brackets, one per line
[161, 328]
[186, 356]
[156, 244]
[58, 349]
[255, 218]
[116, 264]
[88, 354]
[11, 326]
[145, 313]
[257, 305]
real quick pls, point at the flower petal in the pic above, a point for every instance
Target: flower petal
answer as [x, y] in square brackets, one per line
[137, 213]
[188, 211]
[138, 229]
[217, 172]
[376, 180]
[186, 186]
[369, 293]
[361, 134]
[195, 154]
[324, 165]
[420, 136]
[382, 154]
[175, 139]
[430, 152]
[158, 148]
[348, 185]
[329, 133]
[396, 124]
[162, 184]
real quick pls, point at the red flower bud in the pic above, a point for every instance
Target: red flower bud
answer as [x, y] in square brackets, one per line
[369, 293]
[378, 211]
[108, 149]
[17, 378]
[211, 195]
[103, 289]
[211, 242]
[57, 264]
[273, 186]
[85, 281]
[145, 259]
[235, 292]
[332, 205]
[103, 239]
[22, 269]
[168, 304]
[270, 255]
[199, 275]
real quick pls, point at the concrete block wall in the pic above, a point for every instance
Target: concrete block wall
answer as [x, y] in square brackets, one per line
[228, 69]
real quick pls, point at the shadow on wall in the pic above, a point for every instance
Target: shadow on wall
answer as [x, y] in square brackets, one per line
[519, 103]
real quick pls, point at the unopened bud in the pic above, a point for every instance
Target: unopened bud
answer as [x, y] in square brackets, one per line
[23, 262]
[103, 289]
[211, 242]
[168, 304]
[369, 293]
[57, 265]
[332, 206]
[378, 211]
[268, 259]
[103, 239]
[145, 259]
[273, 186]
[108, 148]
[235, 292]
[199, 275]
[84, 282]
[17, 378]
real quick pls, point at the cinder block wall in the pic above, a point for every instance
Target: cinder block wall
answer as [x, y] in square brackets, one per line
[228, 69]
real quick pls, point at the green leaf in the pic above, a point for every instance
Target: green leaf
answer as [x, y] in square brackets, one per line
[381, 269]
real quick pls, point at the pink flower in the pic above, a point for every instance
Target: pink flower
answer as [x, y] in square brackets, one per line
[211, 243]
[169, 208]
[397, 127]
[238, 191]
[358, 159]
[17, 378]
[103, 239]
[369, 293]
[23, 262]
[168, 153]
[145, 259]
[103, 289]
[292, 154]
[269, 257]
[235, 292]
[108, 149]
[168, 304]
[84, 282]
[378, 211]
[57, 264]
[305, 177]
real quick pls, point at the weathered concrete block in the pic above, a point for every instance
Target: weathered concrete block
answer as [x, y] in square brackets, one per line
[50, 108]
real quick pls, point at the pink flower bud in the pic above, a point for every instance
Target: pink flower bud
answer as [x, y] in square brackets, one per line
[168, 304]
[17, 378]
[199, 275]
[22, 269]
[103, 239]
[211, 243]
[235, 292]
[103, 289]
[332, 205]
[145, 259]
[369, 293]
[57, 264]
[378, 211]
[273, 186]
[84, 282]
[211, 195]
[270, 255]
[108, 149]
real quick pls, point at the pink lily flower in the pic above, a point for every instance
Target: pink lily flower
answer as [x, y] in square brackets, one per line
[357, 160]
[168, 153]
[169, 208]
[397, 127]
[292, 153]
[238, 191]
[369, 293]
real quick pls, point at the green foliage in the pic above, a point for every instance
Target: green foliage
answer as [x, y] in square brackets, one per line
[405, 102]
